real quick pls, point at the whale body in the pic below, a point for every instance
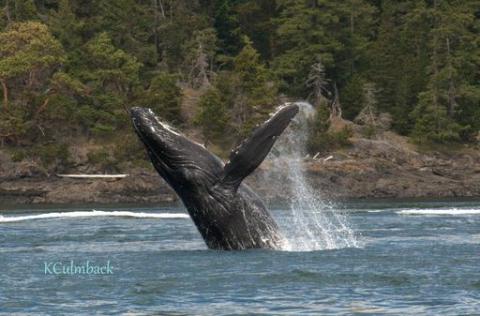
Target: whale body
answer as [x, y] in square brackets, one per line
[227, 213]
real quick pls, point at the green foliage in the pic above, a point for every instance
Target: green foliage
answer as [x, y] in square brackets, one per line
[337, 32]
[12, 124]
[129, 150]
[29, 55]
[70, 69]
[110, 68]
[255, 93]
[164, 97]
[255, 20]
[65, 26]
[102, 158]
[52, 154]
[212, 115]
[17, 155]
[399, 60]
[322, 140]
[226, 24]
[432, 123]
[369, 131]
[129, 25]
[23, 10]
[352, 97]
[452, 88]
[27, 47]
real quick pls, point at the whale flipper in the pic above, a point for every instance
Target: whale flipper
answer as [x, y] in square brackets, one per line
[245, 158]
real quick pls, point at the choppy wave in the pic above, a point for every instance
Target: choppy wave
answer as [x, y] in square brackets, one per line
[93, 213]
[452, 211]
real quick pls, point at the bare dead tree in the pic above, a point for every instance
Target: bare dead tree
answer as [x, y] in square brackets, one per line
[335, 107]
[200, 69]
[317, 82]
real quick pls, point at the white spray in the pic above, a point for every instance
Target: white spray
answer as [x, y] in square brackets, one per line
[311, 224]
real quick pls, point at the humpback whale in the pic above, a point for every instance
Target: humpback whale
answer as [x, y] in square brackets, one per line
[227, 213]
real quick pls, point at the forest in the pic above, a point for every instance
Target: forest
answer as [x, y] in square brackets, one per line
[71, 69]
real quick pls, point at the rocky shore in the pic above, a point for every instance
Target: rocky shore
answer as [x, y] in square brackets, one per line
[385, 167]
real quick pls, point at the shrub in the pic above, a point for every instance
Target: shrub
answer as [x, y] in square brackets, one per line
[51, 155]
[320, 139]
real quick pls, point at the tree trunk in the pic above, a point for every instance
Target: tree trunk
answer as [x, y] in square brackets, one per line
[7, 11]
[155, 28]
[451, 85]
[352, 31]
[336, 108]
[159, 12]
[5, 93]
[162, 10]
[435, 73]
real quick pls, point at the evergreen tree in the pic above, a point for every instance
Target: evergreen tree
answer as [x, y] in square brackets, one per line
[27, 51]
[352, 97]
[432, 123]
[65, 26]
[320, 139]
[113, 77]
[29, 57]
[23, 10]
[164, 97]
[451, 73]
[398, 59]
[255, 93]
[305, 31]
[226, 25]
[255, 20]
[78, 73]
[212, 116]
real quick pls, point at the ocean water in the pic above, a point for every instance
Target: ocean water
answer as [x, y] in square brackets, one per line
[409, 258]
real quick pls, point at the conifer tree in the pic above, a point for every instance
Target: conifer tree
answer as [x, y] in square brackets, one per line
[451, 83]
[23, 10]
[255, 93]
[212, 116]
[226, 25]
[304, 33]
[64, 25]
[164, 97]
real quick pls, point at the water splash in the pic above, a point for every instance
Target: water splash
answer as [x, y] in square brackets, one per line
[313, 224]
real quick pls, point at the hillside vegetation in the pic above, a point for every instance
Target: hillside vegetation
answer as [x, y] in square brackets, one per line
[71, 69]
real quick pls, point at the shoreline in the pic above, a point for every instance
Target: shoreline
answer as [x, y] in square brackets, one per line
[149, 189]
[387, 167]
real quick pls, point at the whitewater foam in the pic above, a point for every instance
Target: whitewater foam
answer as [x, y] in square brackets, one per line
[92, 213]
[452, 211]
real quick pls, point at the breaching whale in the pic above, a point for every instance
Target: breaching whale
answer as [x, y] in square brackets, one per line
[227, 213]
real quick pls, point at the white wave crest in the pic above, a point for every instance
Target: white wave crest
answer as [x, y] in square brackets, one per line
[93, 213]
[452, 211]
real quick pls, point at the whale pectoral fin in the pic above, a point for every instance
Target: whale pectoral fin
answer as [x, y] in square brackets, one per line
[252, 151]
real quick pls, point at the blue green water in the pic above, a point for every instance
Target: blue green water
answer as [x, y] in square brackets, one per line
[419, 258]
